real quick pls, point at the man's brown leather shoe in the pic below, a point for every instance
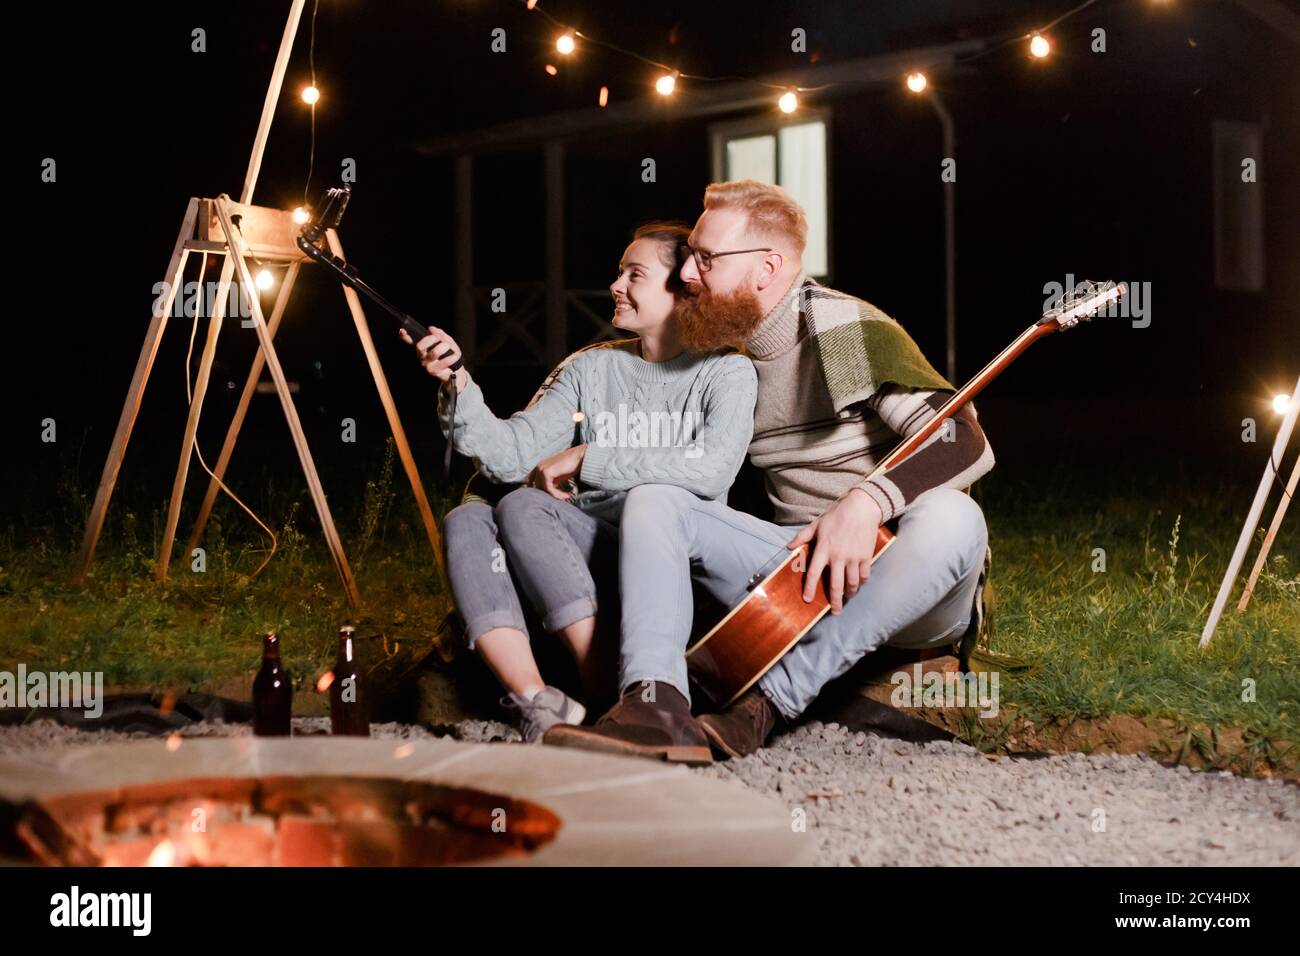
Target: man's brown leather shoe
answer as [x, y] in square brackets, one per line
[744, 726]
[652, 720]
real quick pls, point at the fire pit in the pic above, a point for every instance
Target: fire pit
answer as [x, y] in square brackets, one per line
[336, 802]
[284, 821]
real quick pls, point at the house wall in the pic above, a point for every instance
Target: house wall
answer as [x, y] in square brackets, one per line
[1092, 164]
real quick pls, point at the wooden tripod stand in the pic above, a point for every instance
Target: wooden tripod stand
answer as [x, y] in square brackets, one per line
[269, 234]
[239, 230]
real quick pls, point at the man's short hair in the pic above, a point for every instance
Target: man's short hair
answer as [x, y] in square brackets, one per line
[773, 213]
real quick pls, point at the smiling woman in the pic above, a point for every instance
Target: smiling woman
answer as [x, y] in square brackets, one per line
[560, 534]
[649, 276]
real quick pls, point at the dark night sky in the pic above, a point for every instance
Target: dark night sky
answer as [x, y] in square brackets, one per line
[1095, 165]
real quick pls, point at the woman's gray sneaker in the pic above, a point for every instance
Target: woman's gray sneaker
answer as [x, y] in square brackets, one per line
[548, 707]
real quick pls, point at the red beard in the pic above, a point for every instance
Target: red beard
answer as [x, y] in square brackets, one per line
[708, 321]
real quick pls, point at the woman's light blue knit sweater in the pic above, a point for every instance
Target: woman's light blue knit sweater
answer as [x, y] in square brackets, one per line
[685, 422]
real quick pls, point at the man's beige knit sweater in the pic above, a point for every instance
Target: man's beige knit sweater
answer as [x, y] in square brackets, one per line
[811, 457]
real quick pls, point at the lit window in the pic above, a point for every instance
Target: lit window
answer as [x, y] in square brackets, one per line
[792, 155]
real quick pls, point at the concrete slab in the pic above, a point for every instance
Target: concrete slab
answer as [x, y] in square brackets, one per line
[616, 811]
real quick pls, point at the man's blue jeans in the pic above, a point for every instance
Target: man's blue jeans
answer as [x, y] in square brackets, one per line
[920, 594]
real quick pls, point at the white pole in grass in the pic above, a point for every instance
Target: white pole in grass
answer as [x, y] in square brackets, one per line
[1278, 515]
[1252, 519]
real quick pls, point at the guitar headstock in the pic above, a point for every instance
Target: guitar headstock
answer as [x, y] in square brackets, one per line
[1082, 302]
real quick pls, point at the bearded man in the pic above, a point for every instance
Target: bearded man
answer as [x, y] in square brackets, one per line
[839, 384]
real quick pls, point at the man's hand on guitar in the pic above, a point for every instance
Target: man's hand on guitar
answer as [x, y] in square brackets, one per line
[551, 473]
[845, 538]
[438, 353]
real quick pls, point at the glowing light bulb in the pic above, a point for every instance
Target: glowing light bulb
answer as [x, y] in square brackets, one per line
[788, 102]
[666, 84]
[916, 82]
[565, 43]
[1038, 46]
[310, 95]
[300, 215]
[1281, 403]
[265, 280]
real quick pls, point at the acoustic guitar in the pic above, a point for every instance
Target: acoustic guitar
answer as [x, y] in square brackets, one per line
[773, 616]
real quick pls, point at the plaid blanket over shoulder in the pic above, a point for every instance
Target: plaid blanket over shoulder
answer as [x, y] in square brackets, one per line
[862, 348]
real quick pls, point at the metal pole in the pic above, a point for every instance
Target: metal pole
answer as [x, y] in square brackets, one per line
[949, 237]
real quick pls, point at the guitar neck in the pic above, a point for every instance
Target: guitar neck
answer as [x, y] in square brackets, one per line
[967, 392]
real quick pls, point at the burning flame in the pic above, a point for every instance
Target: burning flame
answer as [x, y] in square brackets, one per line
[173, 743]
[325, 681]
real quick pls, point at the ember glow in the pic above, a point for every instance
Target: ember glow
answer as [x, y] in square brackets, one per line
[292, 821]
[164, 854]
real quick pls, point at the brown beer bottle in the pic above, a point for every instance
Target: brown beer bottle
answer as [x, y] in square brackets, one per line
[272, 692]
[349, 715]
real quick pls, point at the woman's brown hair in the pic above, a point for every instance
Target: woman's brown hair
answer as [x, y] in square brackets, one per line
[671, 237]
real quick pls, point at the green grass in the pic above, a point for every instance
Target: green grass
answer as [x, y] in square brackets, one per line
[1125, 640]
[196, 629]
[1118, 641]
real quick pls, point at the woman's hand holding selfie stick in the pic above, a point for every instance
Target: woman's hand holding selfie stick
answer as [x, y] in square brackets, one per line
[439, 362]
[440, 356]
[444, 365]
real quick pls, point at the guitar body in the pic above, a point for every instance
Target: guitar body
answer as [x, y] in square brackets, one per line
[757, 633]
[773, 617]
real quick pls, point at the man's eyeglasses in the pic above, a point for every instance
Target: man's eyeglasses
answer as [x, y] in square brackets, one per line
[704, 260]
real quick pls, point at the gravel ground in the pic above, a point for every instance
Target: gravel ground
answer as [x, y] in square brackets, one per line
[872, 801]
